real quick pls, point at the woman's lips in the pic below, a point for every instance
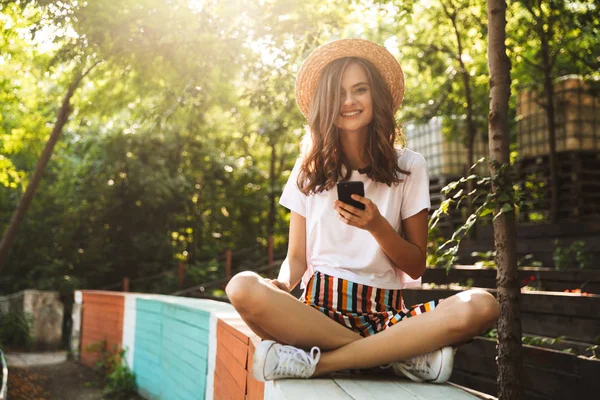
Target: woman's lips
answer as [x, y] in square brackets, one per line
[351, 116]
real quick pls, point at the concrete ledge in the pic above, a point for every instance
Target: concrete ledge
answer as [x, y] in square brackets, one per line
[201, 349]
[35, 359]
[348, 387]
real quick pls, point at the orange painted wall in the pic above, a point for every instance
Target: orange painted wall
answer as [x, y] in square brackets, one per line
[102, 319]
[233, 378]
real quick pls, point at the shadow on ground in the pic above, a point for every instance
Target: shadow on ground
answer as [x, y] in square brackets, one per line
[63, 381]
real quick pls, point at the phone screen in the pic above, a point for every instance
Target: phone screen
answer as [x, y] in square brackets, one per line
[348, 188]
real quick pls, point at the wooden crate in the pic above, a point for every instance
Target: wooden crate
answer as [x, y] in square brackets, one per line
[578, 185]
[577, 119]
[444, 156]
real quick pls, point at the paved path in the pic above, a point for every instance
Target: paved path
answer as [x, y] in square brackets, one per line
[49, 375]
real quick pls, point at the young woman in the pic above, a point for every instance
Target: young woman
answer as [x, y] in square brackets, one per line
[354, 263]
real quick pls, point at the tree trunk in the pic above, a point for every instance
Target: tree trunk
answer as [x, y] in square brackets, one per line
[24, 203]
[509, 323]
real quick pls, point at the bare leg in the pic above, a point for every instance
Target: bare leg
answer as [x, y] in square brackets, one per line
[276, 315]
[457, 319]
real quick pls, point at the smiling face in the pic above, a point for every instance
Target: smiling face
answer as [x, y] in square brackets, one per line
[356, 108]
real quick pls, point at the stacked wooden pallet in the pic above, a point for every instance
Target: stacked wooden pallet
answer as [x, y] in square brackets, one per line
[578, 185]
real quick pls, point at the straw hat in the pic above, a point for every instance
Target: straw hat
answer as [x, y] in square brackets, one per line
[384, 61]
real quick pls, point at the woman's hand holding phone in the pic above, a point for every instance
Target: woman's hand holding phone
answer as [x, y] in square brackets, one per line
[368, 219]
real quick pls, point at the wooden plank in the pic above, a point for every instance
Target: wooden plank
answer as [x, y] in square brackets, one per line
[237, 347]
[432, 391]
[228, 386]
[558, 314]
[301, 389]
[547, 373]
[578, 329]
[237, 371]
[237, 327]
[481, 383]
[374, 388]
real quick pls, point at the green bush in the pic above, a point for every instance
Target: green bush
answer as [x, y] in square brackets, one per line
[572, 256]
[15, 330]
[119, 379]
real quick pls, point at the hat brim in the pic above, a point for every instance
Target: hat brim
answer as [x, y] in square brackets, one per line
[310, 71]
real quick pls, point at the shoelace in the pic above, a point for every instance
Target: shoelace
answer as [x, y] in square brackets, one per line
[418, 364]
[296, 362]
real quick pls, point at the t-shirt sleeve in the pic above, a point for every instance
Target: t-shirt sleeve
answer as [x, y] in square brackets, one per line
[415, 196]
[292, 198]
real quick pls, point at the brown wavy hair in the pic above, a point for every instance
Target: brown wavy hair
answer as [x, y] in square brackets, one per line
[323, 158]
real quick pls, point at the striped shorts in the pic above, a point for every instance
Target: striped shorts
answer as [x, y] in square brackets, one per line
[364, 309]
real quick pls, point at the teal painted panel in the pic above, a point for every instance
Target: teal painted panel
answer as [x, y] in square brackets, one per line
[192, 340]
[153, 306]
[171, 350]
[177, 392]
[184, 383]
[147, 353]
[190, 345]
[185, 350]
[190, 373]
[197, 311]
[186, 329]
[188, 358]
[199, 318]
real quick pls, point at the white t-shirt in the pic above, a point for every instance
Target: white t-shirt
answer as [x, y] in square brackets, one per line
[343, 251]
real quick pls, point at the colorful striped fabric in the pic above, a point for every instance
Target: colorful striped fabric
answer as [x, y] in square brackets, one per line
[364, 309]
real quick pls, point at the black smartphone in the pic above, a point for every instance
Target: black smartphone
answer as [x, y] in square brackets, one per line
[348, 188]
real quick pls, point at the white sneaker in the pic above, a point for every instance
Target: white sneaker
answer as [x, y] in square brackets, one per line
[433, 367]
[276, 361]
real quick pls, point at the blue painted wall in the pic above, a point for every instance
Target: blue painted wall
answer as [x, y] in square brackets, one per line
[171, 350]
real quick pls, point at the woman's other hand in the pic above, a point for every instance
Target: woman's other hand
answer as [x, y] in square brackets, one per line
[368, 219]
[278, 284]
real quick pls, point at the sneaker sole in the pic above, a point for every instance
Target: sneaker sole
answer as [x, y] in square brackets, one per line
[259, 358]
[448, 360]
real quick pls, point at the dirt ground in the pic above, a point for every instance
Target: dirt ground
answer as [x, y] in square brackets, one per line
[65, 381]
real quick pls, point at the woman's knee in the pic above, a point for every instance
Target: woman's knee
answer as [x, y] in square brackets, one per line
[243, 290]
[475, 311]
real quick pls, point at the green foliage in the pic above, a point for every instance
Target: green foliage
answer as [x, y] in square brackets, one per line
[119, 379]
[491, 333]
[15, 330]
[572, 256]
[486, 259]
[435, 239]
[167, 154]
[540, 341]
[505, 197]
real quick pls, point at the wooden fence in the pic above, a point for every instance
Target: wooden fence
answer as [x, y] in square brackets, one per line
[546, 279]
[547, 374]
[542, 313]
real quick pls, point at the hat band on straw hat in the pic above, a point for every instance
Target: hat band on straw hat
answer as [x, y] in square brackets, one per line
[379, 56]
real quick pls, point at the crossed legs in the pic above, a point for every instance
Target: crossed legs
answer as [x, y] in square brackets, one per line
[276, 315]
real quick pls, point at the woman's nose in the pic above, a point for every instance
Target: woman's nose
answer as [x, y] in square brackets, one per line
[347, 98]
